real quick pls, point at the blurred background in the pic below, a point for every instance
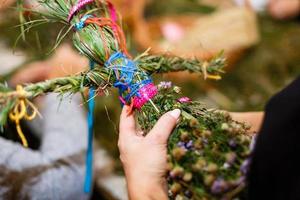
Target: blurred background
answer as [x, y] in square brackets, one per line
[260, 39]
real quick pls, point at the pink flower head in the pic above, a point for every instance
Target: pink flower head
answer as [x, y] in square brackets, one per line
[184, 100]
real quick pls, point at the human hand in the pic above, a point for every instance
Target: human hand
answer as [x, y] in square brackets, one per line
[145, 158]
[283, 9]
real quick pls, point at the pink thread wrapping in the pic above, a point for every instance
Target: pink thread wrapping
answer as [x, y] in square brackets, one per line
[184, 100]
[113, 15]
[112, 12]
[122, 100]
[146, 93]
[80, 4]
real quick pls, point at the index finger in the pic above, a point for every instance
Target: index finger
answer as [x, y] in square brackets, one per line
[127, 123]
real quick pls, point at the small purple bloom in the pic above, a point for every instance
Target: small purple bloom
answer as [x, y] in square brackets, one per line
[189, 145]
[232, 143]
[172, 175]
[245, 166]
[184, 100]
[181, 144]
[188, 194]
[165, 85]
[219, 186]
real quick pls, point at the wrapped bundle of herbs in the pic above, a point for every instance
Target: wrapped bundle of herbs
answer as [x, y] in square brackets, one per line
[208, 151]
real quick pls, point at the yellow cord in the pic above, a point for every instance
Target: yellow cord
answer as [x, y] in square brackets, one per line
[209, 76]
[214, 77]
[19, 112]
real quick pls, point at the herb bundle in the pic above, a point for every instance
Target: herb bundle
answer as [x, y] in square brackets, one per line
[208, 151]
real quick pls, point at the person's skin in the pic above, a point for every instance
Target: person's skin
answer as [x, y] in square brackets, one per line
[254, 119]
[4, 4]
[284, 9]
[145, 158]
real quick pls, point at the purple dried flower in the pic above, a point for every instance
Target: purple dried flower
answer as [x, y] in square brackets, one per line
[189, 145]
[219, 186]
[245, 166]
[184, 100]
[165, 85]
[188, 194]
[181, 144]
[232, 143]
[172, 175]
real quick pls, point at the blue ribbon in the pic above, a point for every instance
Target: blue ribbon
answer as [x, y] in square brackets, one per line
[89, 154]
[127, 69]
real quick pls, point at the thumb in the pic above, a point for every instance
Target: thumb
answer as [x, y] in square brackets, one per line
[164, 126]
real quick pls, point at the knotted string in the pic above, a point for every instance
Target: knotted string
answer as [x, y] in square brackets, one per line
[80, 25]
[137, 92]
[20, 112]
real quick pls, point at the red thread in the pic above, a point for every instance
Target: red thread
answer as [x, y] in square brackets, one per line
[118, 32]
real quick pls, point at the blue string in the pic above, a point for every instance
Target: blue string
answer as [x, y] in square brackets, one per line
[90, 120]
[127, 69]
[80, 25]
[89, 154]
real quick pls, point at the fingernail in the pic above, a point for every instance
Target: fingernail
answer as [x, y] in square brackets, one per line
[175, 113]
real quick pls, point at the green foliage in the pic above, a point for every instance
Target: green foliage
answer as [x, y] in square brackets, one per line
[5, 106]
[207, 148]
